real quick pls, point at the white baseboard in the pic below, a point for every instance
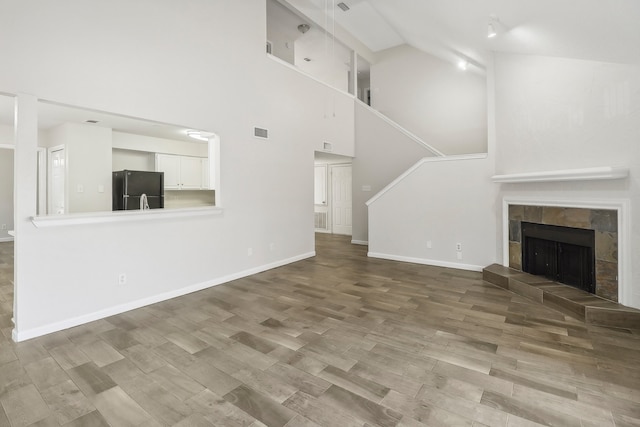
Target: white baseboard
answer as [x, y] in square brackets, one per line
[111, 311]
[424, 261]
[360, 242]
[6, 239]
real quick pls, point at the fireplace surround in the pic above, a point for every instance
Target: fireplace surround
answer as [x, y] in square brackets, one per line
[601, 218]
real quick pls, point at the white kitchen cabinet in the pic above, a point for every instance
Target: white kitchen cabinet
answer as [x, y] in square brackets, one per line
[182, 172]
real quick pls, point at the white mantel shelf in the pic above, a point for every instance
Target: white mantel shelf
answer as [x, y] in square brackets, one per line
[587, 174]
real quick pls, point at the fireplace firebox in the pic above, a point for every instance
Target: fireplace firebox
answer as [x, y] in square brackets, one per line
[561, 254]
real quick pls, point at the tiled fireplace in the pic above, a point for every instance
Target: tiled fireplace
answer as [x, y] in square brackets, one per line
[604, 223]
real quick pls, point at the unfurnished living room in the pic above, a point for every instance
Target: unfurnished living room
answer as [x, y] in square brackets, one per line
[319, 213]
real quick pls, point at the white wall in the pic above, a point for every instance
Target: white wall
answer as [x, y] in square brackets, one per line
[6, 134]
[555, 113]
[442, 201]
[6, 192]
[382, 154]
[443, 105]
[198, 63]
[132, 160]
[88, 168]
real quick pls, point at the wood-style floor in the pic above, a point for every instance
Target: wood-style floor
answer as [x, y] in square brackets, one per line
[337, 340]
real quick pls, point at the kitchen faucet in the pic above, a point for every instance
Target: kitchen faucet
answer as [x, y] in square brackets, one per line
[144, 203]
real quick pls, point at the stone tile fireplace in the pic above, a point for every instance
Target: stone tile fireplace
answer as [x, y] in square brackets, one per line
[603, 222]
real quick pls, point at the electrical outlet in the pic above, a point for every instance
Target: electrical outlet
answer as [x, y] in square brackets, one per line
[458, 247]
[459, 254]
[122, 279]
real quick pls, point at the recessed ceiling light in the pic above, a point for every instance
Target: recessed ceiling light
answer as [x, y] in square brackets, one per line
[343, 6]
[463, 64]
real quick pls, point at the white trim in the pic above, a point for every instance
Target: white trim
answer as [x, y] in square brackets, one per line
[49, 171]
[8, 146]
[424, 261]
[586, 174]
[6, 239]
[420, 163]
[622, 206]
[112, 311]
[360, 242]
[41, 204]
[122, 216]
[406, 132]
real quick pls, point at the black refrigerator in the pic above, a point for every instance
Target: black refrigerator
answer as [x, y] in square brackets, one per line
[129, 186]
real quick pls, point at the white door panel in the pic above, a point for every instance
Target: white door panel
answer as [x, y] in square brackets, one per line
[341, 199]
[57, 183]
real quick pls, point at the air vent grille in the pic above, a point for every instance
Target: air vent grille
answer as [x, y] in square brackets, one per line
[260, 133]
[320, 220]
[343, 6]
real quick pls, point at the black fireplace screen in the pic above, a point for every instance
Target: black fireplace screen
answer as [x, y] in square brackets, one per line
[561, 254]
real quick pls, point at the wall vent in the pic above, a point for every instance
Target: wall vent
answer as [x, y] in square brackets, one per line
[261, 133]
[327, 146]
[320, 220]
[343, 6]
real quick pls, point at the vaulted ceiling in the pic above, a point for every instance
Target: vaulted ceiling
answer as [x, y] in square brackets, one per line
[599, 30]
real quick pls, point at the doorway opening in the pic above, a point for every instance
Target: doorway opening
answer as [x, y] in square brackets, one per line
[333, 194]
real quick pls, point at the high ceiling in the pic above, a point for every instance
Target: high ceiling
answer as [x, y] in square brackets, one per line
[599, 30]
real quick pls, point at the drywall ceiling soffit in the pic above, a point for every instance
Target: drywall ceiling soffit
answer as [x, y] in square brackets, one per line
[51, 115]
[322, 157]
[595, 30]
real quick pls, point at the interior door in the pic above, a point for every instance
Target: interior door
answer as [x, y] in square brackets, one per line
[341, 199]
[57, 168]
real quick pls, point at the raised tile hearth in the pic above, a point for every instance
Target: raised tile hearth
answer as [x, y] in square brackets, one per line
[574, 302]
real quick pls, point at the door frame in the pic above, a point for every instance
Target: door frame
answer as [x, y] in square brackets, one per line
[41, 205]
[10, 147]
[49, 175]
[330, 193]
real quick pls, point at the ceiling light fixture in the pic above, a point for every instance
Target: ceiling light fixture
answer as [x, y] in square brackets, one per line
[303, 28]
[493, 26]
[491, 31]
[463, 64]
[200, 136]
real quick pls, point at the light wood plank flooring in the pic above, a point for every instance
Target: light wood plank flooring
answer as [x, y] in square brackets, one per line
[337, 340]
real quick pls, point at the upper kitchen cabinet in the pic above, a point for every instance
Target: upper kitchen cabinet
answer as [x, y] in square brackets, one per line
[183, 172]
